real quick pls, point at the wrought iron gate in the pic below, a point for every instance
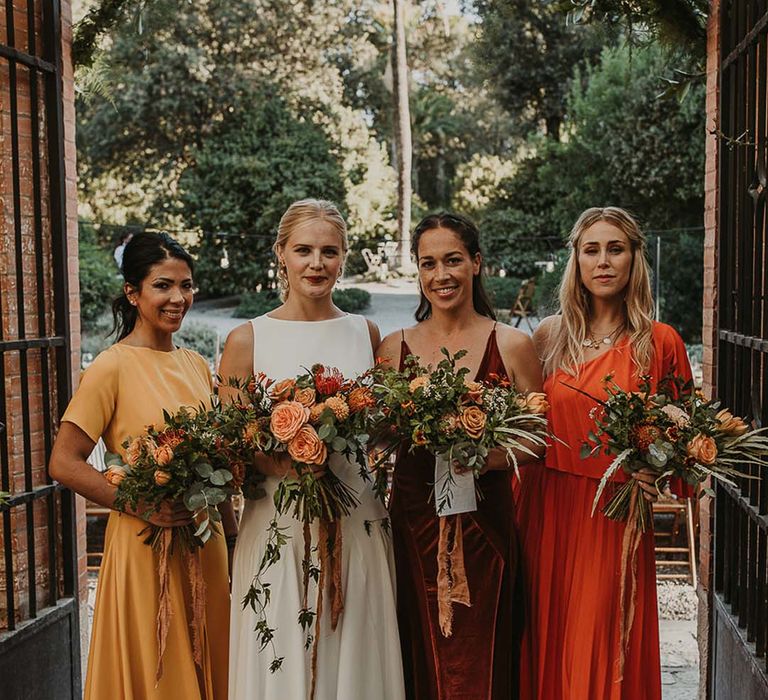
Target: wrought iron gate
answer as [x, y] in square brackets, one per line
[39, 630]
[739, 615]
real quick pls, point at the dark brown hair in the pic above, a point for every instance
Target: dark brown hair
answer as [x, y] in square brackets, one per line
[142, 252]
[466, 230]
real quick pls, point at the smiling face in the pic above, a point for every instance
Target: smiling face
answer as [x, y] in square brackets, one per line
[313, 257]
[605, 260]
[164, 295]
[446, 269]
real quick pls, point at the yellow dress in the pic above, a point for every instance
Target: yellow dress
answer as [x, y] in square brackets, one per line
[124, 390]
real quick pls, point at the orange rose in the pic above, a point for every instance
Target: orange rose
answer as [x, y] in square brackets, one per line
[282, 390]
[163, 455]
[420, 382]
[703, 449]
[114, 475]
[306, 397]
[475, 391]
[473, 421]
[287, 419]
[535, 402]
[730, 424]
[134, 450]
[307, 447]
[360, 398]
[161, 477]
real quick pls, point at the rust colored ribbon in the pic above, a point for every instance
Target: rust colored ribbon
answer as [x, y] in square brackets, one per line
[329, 548]
[628, 599]
[452, 585]
[164, 608]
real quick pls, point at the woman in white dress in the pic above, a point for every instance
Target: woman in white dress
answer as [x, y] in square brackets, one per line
[361, 657]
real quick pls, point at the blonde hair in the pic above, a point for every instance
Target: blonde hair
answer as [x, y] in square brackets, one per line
[566, 348]
[303, 212]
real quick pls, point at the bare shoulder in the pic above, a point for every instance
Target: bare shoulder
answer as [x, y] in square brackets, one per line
[389, 348]
[511, 340]
[519, 357]
[240, 338]
[374, 334]
[545, 332]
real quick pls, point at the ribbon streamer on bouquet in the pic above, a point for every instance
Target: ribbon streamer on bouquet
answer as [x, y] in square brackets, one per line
[164, 608]
[329, 549]
[452, 585]
[628, 598]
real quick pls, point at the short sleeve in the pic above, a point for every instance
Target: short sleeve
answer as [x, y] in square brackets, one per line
[674, 355]
[93, 405]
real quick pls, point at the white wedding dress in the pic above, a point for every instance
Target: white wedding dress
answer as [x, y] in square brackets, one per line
[361, 659]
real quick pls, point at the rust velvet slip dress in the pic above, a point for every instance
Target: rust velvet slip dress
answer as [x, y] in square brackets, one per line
[572, 561]
[479, 661]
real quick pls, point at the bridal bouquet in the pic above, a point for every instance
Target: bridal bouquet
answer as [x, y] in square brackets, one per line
[185, 460]
[458, 421]
[309, 418]
[674, 432]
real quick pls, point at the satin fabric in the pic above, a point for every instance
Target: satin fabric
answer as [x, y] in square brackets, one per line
[480, 660]
[572, 561]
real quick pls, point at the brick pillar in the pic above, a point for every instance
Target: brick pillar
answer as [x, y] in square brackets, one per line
[709, 330]
[10, 281]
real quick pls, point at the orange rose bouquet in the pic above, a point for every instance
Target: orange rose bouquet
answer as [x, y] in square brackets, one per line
[675, 432]
[456, 419]
[188, 461]
[310, 418]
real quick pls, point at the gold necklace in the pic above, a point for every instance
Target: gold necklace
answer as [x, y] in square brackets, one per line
[594, 344]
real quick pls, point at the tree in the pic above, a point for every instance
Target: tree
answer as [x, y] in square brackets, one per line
[527, 53]
[242, 179]
[403, 143]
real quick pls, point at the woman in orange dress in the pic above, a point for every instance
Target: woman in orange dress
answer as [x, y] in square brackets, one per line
[572, 645]
[124, 390]
[478, 658]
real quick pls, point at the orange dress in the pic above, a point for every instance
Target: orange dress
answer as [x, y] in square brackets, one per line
[572, 560]
[125, 389]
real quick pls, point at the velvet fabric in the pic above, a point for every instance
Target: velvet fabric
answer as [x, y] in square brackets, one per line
[479, 661]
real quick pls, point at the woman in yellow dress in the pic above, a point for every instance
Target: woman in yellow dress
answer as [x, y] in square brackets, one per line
[124, 390]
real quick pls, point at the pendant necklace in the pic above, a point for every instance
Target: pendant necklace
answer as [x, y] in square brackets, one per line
[594, 343]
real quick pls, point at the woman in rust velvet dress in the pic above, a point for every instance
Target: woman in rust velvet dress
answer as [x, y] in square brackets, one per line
[572, 561]
[478, 658]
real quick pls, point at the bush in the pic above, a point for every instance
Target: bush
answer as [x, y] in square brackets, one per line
[256, 304]
[99, 279]
[352, 300]
[198, 337]
[502, 291]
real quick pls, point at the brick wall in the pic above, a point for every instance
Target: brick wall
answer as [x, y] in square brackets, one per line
[36, 269]
[709, 331]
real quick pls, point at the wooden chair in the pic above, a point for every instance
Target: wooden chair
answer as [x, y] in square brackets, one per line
[523, 306]
[666, 553]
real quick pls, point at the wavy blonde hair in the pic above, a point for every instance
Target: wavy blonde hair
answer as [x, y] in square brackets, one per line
[566, 348]
[300, 213]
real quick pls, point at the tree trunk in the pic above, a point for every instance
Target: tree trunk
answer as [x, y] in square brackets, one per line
[402, 135]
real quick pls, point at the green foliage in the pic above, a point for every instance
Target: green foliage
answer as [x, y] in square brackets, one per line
[242, 178]
[352, 300]
[676, 23]
[545, 298]
[199, 337]
[502, 291]
[100, 281]
[527, 53]
[256, 304]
